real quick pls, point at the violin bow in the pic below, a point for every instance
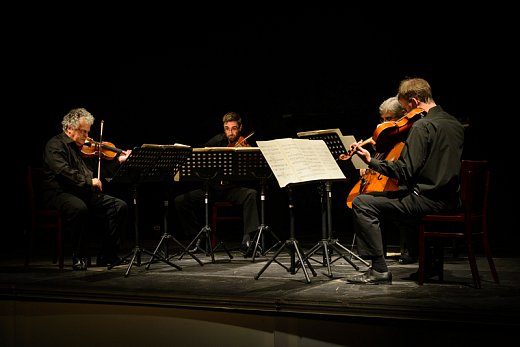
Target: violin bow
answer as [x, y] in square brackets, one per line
[244, 139]
[99, 157]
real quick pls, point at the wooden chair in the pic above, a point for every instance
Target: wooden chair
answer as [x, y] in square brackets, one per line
[218, 216]
[465, 225]
[41, 218]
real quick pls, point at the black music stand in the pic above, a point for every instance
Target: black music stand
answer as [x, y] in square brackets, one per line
[208, 165]
[167, 236]
[334, 142]
[148, 163]
[251, 164]
[327, 243]
[292, 245]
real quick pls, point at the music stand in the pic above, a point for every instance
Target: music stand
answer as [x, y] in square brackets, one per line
[148, 163]
[208, 164]
[292, 245]
[335, 143]
[167, 236]
[251, 164]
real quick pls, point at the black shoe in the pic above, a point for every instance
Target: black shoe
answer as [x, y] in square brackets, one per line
[371, 277]
[428, 274]
[433, 269]
[406, 259]
[104, 261]
[79, 263]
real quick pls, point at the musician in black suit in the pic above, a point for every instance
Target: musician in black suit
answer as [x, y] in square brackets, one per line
[189, 206]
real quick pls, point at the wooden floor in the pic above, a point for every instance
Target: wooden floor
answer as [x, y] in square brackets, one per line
[240, 294]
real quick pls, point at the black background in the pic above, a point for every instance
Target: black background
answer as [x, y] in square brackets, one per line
[166, 75]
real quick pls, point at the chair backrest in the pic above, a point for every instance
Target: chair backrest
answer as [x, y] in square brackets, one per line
[40, 216]
[475, 176]
[34, 188]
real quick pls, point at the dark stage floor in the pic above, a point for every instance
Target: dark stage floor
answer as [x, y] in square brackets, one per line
[240, 285]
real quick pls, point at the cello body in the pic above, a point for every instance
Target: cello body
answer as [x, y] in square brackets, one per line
[373, 181]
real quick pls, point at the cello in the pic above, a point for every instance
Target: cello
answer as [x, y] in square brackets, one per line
[388, 140]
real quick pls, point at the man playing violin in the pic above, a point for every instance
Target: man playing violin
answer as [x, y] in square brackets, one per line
[427, 170]
[70, 187]
[189, 205]
[104, 159]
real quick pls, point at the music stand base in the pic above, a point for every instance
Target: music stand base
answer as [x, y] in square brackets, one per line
[259, 237]
[206, 232]
[294, 249]
[136, 259]
[164, 238]
[328, 245]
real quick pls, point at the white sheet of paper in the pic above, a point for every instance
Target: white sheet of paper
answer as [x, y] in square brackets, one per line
[356, 160]
[300, 160]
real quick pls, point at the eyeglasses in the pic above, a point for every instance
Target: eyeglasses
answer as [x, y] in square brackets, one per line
[230, 129]
[83, 131]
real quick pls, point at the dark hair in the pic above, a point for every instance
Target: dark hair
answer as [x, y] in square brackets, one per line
[232, 117]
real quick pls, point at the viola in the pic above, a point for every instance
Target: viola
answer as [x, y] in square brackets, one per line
[387, 134]
[93, 148]
[388, 139]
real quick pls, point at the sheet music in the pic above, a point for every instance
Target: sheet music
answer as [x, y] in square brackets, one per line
[346, 140]
[230, 149]
[176, 145]
[300, 160]
[356, 160]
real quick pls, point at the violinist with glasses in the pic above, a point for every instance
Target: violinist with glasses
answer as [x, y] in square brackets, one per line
[190, 205]
[71, 187]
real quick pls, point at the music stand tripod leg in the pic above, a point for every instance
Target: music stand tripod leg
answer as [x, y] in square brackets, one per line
[166, 236]
[338, 246]
[256, 242]
[136, 253]
[163, 237]
[259, 235]
[292, 244]
[324, 242]
[192, 243]
[334, 243]
[223, 245]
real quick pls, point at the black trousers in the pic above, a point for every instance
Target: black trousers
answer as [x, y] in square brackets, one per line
[371, 211]
[97, 209]
[190, 208]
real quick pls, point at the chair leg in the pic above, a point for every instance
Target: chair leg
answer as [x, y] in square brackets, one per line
[472, 260]
[422, 256]
[487, 250]
[59, 251]
[29, 243]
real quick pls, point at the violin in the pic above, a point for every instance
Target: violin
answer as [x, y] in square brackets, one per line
[242, 141]
[92, 148]
[387, 134]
